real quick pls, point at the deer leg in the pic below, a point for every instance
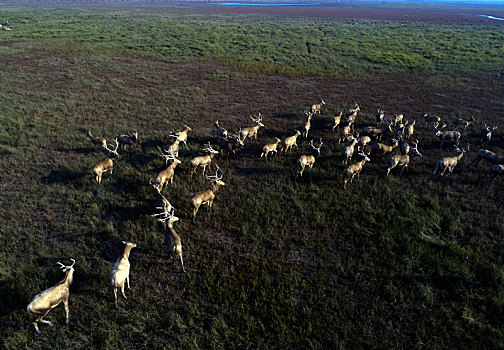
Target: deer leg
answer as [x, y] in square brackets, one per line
[127, 281]
[182, 262]
[115, 296]
[122, 291]
[67, 310]
[402, 169]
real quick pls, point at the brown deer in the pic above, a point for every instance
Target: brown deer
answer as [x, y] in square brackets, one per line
[447, 135]
[270, 147]
[207, 196]
[345, 133]
[336, 122]
[383, 149]
[315, 108]
[448, 163]
[354, 169]
[104, 165]
[121, 270]
[47, 300]
[487, 155]
[486, 134]
[181, 136]
[349, 150]
[97, 141]
[232, 144]
[377, 132]
[307, 124]
[308, 160]
[464, 123]
[203, 161]
[172, 239]
[221, 132]
[379, 117]
[125, 140]
[290, 141]
[409, 130]
[167, 174]
[402, 160]
[431, 120]
[252, 131]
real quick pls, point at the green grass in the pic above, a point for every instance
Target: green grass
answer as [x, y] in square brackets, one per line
[410, 262]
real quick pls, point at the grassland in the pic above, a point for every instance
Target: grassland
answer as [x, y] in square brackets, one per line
[410, 262]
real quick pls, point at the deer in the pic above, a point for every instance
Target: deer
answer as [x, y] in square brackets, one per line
[290, 141]
[351, 113]
[231, 144]
[402, 160]
[181, 136]
[308, 160]
[104, 165]
[409, 130]
[348, 151]
[221, 132]
[47, 300]
[167, 174]
[307, 124]
[495, 170]
[380, 114]
[362, 141]
[464, 123]
[384, 149]
[398, 119]
[270, 147]
[354, 169]
[487, 155]
[345, 133]
[125, 140]
[5, 27]
[172, 239]
[173, 149]
[252, 131]
[336, 122]
[97, 141]
[121, 270]
[486, 134]
[377, 132]
[203, 161]
[207, 196]
[431, 120]
[449, 163]
[162, 201]
[315, 108]
[447, 135]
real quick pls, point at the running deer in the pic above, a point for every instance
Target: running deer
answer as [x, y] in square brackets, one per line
[207, 196]
[486, 134]
[402, 160]
[181, 136]
[290, 141]
[348, 151]
[270, 147]
[354, 169]
[203, 161]
[126, 140]
[172, 239]
[487, 155]
[221, 132]
[307, 124]
[449, 163]
[447, 135]
[121, 270]
[379, 117]
[308, 160]
[336, 122]
[47, 300]
[167, 174]
[252, 131]
[315, 108]
[431, 120]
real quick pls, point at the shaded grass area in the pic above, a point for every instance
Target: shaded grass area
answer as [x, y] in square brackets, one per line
[277, 262]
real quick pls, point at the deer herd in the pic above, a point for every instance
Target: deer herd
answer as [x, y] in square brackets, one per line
[367, 144]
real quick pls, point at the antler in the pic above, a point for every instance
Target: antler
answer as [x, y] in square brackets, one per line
[114, 151]
[259, 118]
[62, 266]
[209, 148]
[169, 156]
[216, 177]
[166, 214]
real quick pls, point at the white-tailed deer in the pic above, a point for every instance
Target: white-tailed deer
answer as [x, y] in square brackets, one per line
[447, 135]
[172, 239]
[486, 134]
[402, 160]
[354, 169]
[349, 150]
[336, 122]
[167, 174]
[308, 160]
[121, 270]
[47, 300]
[448, 163]
[307, 124]
[181, 136]
[270, 147]
[207, 196]
[379, 117]
[221, 132]
[252, 131]
[383, 149]
[487, 155]
[203, 161]
[125, 140]
[315, 108]
[431, 120]
[290, 141]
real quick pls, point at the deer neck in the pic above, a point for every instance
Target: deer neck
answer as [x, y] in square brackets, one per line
[69, 277]
[127, 251]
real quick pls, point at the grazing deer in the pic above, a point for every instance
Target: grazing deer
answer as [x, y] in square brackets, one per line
[181, 136]
[383, 149]
[486, 134]
[308, 160]
[379, 117]
[487, 155]
[221, 132]
[315, 108]
[348, 151]
[125, 140]
[447, 135]
[448, 163]
[307, 124]
[336, 122]
[121, 270]
[252, 131]
[172, 239]
[167, 174]
[231, 145]
[47, 300]
[290, 141]
[402, 160]
[97, 141]
[270, 147]
[207, 196]
[431, 120]
[354, 169]
[203, 161]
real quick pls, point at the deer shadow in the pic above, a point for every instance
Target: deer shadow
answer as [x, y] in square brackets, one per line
[12, 298]
[63, 176]
[79, 150]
